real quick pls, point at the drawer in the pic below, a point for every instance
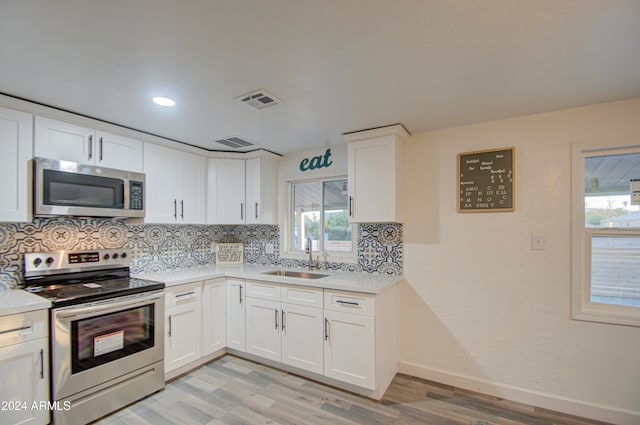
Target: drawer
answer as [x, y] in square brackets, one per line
[301, 295]
[182, 294]
[23, 327]
[350, 302]
[263, 290]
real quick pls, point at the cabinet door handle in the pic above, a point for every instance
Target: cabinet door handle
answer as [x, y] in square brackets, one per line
[23, 328]
[90, 156]
[100, 150]
[283, 322]
[241, 211]
[256, 210]
[276, 311]
[347, 303]
[240, 293]
[169, 325]
[350, 206]
[175, 209]
[41, 363]
[182, 209]
[326, 329]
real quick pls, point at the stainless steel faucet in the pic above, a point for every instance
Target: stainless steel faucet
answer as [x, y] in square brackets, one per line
[309, 250]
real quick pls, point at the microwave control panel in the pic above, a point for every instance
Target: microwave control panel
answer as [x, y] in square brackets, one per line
[136, 195]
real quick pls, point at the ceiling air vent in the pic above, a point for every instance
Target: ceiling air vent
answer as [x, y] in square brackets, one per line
[235, 143]
[259, 99]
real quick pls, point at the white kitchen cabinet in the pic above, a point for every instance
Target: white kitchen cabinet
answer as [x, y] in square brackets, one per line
[349, 350]
[225, 191]
[375, 174]
[242, 191]
[24, 367]
[263, 328]
[175, 186]
[261, 184]
[236, 314]
[72, 142]
[16, 136]
[214, 315]
[183, 325]
[302, 337]
[287, 332]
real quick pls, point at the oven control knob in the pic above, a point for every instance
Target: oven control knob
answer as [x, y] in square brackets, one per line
[123, 255]
[115, 256]
[49, 261]
[106, 256]
[37, 261]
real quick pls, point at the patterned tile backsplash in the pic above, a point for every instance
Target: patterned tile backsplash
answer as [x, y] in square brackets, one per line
[166, 247]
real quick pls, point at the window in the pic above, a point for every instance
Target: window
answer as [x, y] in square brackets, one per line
[606, 235]
[319, 210]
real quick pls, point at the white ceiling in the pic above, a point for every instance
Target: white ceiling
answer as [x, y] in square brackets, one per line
[338, 65]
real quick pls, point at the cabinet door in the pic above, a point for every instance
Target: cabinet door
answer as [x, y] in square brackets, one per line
[64, 141]
[161, 174]
[235, 314]
[302, 337]
[113, 151]
[263, 328]
[253, 175]
[191, 188]
[214, 316]
[24, 369]
[16, 135]
[349, 348]
[372, 180]
[225, 197]
[182, 340]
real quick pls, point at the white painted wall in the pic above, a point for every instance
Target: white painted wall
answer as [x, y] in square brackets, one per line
[479, 308]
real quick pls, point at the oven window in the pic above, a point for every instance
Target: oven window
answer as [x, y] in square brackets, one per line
[101, 339]
[80, 190]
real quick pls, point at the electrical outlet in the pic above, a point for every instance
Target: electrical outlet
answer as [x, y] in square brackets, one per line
[537, 242]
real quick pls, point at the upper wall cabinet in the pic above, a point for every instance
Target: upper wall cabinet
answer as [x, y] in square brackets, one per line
[241, 192]
[71, 142]
[16, 138]
[375, 175]
[175, 186]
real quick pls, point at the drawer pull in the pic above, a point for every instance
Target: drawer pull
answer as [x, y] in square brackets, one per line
[23, 328]
[185, 294]
[347, 303]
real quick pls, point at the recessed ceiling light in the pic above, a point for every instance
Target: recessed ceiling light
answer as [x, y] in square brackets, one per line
[163, 101]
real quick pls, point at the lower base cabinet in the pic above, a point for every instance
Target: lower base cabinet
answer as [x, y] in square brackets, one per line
[183, 324]
[349, 350]
[214, 315]
[24, 368]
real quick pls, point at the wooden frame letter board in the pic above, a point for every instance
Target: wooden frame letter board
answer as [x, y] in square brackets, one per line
[486, 180]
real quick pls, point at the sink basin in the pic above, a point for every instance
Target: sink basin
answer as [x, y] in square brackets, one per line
[295, 273]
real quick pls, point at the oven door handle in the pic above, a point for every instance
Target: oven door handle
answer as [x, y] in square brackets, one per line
[108, 306]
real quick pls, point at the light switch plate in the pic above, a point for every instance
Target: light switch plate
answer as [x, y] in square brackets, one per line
[537, 242]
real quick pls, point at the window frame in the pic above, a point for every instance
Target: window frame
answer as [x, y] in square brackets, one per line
[582, 308]
[287, 242]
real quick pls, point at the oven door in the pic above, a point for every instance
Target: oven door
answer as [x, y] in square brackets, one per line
[95, 342]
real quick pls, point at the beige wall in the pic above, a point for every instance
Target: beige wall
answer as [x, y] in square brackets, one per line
[479, 308]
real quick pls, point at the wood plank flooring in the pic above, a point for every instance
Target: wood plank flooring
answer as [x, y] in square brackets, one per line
[234, 391]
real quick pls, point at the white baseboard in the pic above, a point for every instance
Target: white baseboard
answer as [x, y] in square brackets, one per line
[600, 412]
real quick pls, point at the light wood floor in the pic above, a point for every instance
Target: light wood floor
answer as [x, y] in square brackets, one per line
[235, 391]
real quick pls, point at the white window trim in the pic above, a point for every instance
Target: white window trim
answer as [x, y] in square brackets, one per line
[582, 308]
[286, 251]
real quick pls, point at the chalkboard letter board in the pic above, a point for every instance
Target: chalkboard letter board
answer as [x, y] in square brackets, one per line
[485, 180]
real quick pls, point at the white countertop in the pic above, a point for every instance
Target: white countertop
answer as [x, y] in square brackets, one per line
[20, 301]
[345, 281]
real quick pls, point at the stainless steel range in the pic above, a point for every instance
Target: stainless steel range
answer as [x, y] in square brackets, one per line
[107, 346]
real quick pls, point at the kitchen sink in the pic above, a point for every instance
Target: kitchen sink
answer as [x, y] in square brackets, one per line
[295, 273]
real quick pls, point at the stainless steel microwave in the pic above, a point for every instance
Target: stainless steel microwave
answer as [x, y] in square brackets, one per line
[72, 189]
